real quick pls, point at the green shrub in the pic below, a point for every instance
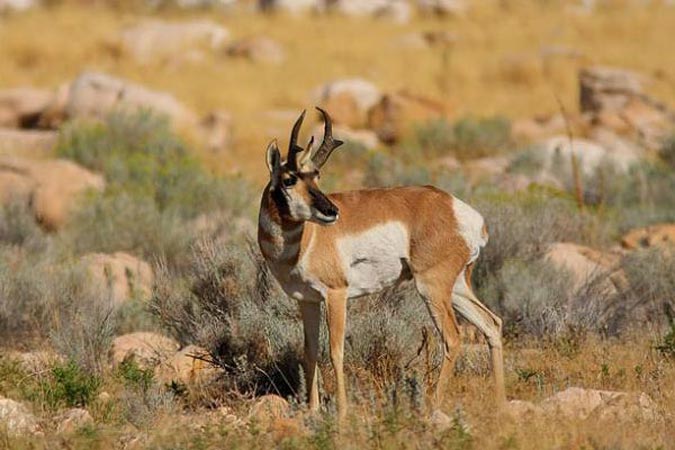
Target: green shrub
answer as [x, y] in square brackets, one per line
[70, 386]
[468, 138]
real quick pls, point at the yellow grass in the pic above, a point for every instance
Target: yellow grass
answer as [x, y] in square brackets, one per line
[493, 68]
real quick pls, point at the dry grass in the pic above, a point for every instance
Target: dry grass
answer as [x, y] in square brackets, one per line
[498, 45]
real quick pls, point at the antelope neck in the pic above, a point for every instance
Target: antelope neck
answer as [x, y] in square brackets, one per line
[279, 239]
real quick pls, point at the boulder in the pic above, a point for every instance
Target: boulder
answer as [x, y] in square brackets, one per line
[215, 130]
[398, 11]
[50, 187]
[581, 404]
[348, 101]
[443, 7]
[658, 235]
[487, 168]
[189, 366]
[587, 265]
[366, 138]
[293, 7]
[395, 115]
[94, 95]
[35, 362]
[538, 127]
[123, 276]
[147, 349]
[607, 88]
[555, 156]
[17, 5]
[16, 418]
[268, 409]
[73, 420]
[258, 49]
[153, 40]
[27, 142]
[21, 107]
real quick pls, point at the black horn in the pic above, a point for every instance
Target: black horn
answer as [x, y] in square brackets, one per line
[293, 148]
[328, 145]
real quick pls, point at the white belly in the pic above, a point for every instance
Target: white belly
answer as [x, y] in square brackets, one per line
[374, 259]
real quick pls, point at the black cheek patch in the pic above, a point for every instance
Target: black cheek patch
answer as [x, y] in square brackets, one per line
[322, 204]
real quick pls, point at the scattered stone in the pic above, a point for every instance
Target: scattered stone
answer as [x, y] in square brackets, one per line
[72, 420]
[651, 236]
[16, 418]
[216, 130]
[293, 7]
[258, 49]
[440, 420]
[154, 40]
[555, 156]
[537, 128]
[607, 88]
[268, 409]
[35, 362]
[522, 410]
[147, 349]
[50, 188]
[348, 101]
[21, 107]
[479, 169]
[191, 365]
[396, 114]
[587, 265]
[27, 142]
[94, 95]
[123, 276]
[368, 139]
[17, 5]
[582, 404]
[444, 8]
[399, 11]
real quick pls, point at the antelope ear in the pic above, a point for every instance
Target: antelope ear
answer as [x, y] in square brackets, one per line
[273, 162]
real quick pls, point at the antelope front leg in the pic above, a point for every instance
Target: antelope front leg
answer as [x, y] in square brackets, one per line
[311, 319]
[336, 315]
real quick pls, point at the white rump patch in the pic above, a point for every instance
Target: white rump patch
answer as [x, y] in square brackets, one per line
[470, 226]
[375, 258]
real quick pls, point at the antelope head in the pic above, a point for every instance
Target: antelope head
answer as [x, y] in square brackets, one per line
[293, 183]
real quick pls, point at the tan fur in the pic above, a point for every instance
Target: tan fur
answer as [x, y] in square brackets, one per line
[438, 257]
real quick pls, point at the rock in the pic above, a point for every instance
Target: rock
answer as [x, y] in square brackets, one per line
[555, 156]
[50, 187]
[479, 169]
[35, 362]
[368, 139]
[153, 40]
[16, 418]
[537, 128]
[189, 366]
[607, 88]
[94, 95]
[523, 411]
[21, 107]
[582, 404]
[443, 7]
[651, 236]
[216, 130]
[293, 7]
[258, 49]
[268, 409]
[348, 101]
[398, 11]
[587, 265]
[17, 5]
[72, 420]
[121, 275]
[396, 114]
[440, 420]
[27, 142]
[147, 349]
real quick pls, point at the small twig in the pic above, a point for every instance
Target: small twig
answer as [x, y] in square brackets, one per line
[578, 187]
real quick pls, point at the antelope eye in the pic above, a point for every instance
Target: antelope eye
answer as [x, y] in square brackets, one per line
[288, 182]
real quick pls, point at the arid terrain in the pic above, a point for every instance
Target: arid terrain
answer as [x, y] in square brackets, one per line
[136, 311]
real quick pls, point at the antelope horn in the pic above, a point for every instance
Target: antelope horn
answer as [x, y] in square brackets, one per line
[306, 155]
[328, 145]
[293, 147]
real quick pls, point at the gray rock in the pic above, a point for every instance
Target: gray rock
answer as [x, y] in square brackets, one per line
[16, 418]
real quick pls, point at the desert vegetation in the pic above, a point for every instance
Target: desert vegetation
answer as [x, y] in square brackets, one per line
[136, 310]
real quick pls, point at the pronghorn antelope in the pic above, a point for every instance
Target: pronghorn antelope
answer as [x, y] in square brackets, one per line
[336, 247]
